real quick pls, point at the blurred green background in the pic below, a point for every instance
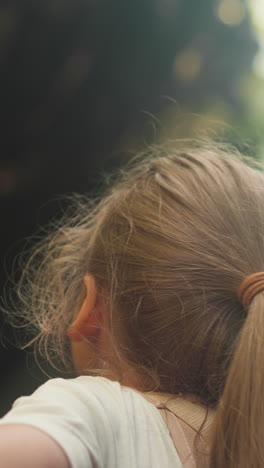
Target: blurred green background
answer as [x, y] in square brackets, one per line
[85, 82]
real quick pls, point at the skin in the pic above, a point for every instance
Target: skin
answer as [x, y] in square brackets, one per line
[23, 446]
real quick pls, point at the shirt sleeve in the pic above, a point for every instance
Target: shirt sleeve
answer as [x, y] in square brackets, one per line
[73, 413]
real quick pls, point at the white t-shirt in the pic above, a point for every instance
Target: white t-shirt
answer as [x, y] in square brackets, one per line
[98, 423]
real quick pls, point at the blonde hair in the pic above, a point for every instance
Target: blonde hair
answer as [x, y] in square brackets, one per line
[169, 245]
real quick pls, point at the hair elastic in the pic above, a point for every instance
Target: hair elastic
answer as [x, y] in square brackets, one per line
[250, 287]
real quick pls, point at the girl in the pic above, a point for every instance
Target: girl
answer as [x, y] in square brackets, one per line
[158, 288]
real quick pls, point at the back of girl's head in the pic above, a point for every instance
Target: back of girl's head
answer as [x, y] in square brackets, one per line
[168, 245]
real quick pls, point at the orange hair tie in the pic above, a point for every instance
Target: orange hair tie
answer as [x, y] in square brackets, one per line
[250, 287]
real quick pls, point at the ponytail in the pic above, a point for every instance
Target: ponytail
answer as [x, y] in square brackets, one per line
[239, 424]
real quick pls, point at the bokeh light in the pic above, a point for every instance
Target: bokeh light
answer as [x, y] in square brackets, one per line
[257, 13]
[188, 65]
[231, 12]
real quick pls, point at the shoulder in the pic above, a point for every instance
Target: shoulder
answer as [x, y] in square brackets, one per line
[80, 389]
[96, 422]
[83, 402]
[86, 416]
[82, 395]
[79, 414]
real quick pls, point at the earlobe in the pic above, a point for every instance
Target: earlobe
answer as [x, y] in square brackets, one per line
[87, 321]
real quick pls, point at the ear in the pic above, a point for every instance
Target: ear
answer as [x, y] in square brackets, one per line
[87, 322]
